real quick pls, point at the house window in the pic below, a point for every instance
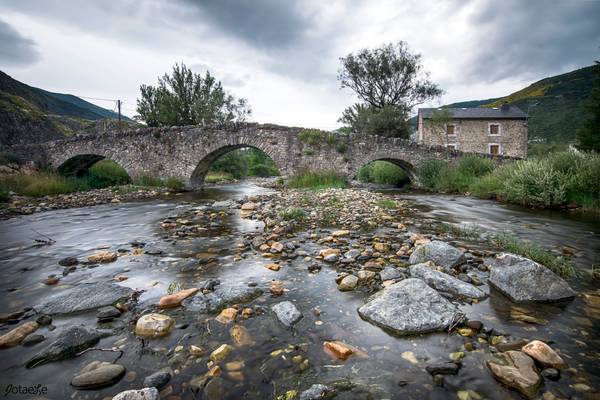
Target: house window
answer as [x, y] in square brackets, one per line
[494, 129]
[450, 130]
[452, 146]
[494, 148]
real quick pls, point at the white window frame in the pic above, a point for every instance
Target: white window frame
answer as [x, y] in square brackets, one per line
[453, 146]
[495, 144]
[455, 130]
[490, 129]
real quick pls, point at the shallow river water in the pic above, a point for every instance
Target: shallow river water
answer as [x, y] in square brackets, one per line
[572, 328]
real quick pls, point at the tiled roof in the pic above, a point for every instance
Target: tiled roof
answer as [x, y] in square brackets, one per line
[506, 112]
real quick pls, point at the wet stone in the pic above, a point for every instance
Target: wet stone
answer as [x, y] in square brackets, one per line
[32, 340]
[551, 373]
[287, 313]
[445, 368]
[221, 297]
[445, 283]
[84, 297]
[70, 342]
[101, 375]
[107, 314]
[317, 392]
[68, 261]
[142, 394]
[158, 379]
[439, 253]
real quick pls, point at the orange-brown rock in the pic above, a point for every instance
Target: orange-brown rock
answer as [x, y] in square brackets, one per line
[273, 267]
[16, 336]
[240, 336]
[341, 350]
[276, 288]
[103, 257]
[175, 299]
[227, 315]
[544, 354]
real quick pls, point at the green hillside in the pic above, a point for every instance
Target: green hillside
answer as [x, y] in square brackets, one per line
[32, 115]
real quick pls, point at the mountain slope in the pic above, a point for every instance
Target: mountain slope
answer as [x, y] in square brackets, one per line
[32, 115]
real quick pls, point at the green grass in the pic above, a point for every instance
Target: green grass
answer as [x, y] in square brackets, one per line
[41, 184]
[215, 177]
[314, 137]
[387, 204]
[107, 173]
[151, 181]
[293, 213]
[506, 241]
[560, 265]
[4, 197]
[317, 180]
[553, 180]
[384, 173]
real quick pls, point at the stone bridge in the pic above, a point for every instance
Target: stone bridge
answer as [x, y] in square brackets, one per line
[188, 152]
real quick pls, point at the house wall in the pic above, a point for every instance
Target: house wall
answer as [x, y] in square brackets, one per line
[472, 136]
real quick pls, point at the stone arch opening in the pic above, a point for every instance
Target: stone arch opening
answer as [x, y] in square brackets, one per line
[94, 170]
[212, 159]
[405, 166]
[382, 172]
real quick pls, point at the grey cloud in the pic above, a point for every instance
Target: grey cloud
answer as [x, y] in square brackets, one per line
[533, 38]
[263, 24]
[14, 48]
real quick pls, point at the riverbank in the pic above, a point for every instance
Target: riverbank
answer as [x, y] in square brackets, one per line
[232, 292]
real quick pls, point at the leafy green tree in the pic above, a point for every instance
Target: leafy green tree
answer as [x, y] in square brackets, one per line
[588, 137]
[187, 98]
[389, 81]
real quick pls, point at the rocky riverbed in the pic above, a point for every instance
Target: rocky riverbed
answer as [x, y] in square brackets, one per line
[288, 294]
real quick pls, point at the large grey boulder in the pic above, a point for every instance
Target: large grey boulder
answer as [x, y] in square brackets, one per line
[523, 280]
[409, 307]
[317, 392]
[287, 313]
[445, 283]
[88, 296]
[223, 296]
[70, 342]
[141, 394]
[440, 253]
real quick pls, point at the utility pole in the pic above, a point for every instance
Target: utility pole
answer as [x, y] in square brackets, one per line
[119, 108]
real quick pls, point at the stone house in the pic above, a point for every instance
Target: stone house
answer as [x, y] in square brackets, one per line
[497, 130]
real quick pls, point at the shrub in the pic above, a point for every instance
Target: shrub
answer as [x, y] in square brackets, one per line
[147, 180]
[474, 165]
[4, 197]
[429, 172]
[317, 180]
[534, 183]
[174, 183]
[7, 158]
[262, 170]
[293, 213]
[107, 173]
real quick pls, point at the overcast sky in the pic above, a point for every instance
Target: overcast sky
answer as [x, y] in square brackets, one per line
[284, 56]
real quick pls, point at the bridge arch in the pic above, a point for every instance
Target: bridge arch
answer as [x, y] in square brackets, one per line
[77, 163]
[205, 163]
[397, 158]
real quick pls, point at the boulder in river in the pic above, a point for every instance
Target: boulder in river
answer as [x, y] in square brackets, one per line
[98, 374]
[16, 335]
[154, 325]
[141, 394]
[287, 313]
[175, 299]
[223, 296]
[409, 307]
[440, 253]
[544, 354]
[89, 296]
[70, 342]
[445, 283]
[524, 280]
[517, 370]
[158, 379]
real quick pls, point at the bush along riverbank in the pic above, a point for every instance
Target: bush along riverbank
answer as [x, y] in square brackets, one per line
[567, 179]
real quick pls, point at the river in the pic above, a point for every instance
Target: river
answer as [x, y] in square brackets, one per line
[329, 314]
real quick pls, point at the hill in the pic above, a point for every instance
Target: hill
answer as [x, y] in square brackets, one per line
[32, 115]
[556, 105]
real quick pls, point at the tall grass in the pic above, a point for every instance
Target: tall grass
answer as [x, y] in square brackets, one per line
[106, 173]
[41, 184]
[152, 181]
[550, 181]
[317, 180]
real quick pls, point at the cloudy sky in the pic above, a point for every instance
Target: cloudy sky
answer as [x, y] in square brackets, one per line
[284, 56]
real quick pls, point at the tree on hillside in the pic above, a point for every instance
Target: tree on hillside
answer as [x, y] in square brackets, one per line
[588, 137]
[187, 98]
[389, 81]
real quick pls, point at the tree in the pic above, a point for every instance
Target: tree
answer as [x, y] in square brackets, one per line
[588, 136]
[187, 98]
[389, 81]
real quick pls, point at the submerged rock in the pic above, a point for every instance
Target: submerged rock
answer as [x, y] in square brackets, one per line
[70, 342]
[522, 280]
[445, 283]
[446, 368]
[103, 257]
[348, 283]
[223, 296]
[142, 394]
[287, 313]
[175, 299]
[439, 253]
[517, 370]
[16, 336]
[409, 307]
[84, 297]
[158, 379]
[97, 375]
[317, 392]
